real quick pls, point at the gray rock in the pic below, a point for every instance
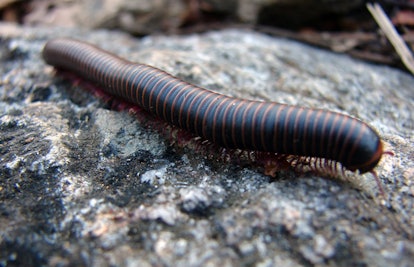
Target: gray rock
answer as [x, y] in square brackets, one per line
[82, 184]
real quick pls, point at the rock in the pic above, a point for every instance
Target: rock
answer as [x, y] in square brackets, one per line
[137, 17]
[82, 184]
[144, 17]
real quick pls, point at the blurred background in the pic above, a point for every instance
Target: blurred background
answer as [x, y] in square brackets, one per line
[344, 26]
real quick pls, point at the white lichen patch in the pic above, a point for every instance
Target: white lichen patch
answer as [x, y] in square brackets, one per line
[54, 128]
[155, 177]
[123, 132]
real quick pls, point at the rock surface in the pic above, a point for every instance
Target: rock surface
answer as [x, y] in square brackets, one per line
[85, 185]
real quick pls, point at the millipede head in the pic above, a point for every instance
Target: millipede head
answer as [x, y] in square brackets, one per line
[366, 157]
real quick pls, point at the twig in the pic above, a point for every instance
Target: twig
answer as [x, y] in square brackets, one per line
[390, 32]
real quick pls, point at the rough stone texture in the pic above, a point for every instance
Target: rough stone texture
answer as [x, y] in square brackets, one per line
[85, 185]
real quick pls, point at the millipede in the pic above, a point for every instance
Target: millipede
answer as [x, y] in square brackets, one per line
[266, 127]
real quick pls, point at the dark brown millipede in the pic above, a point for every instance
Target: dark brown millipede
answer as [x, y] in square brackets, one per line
[226, 121]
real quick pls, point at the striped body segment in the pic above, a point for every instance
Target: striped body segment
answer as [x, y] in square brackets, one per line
[226, 121]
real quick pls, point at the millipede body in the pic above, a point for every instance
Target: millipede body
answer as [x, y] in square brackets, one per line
[226, 121]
